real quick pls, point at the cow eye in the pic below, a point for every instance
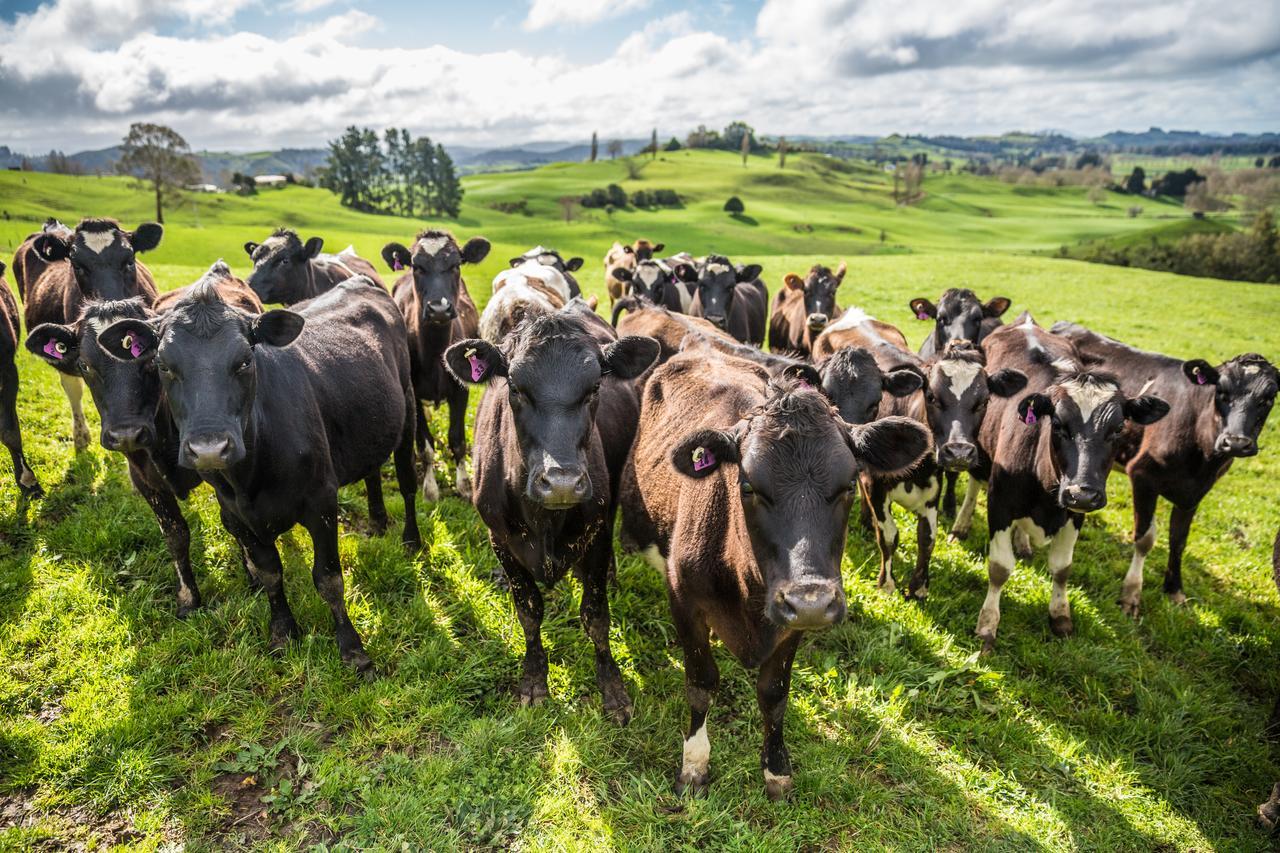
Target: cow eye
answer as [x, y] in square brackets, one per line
[165, 370]
[747, 488]
[245, 364]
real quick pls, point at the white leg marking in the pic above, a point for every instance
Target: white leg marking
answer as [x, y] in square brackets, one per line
[28, 477]
[964, 518]
[889, 532]
[1061, 550]
[73, 387]
[697, 755]
[462, 482]
[430, 488]
[776, 786]
[653, 556]
[1131, 593]
[999, 565]
[185, 597]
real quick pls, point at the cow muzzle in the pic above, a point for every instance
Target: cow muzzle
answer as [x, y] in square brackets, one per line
[1083, 498]
[807, 605]
[439, 313]
[560, 488]
[128, 437]
[817, 322]
[208, 452]
[717, 320]
[957, 456]
[1236, 445]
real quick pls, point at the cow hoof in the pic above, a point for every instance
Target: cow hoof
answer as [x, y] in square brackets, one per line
[1269, 812]
[888, 587]
[281, 635]
[1131, 607]
[958, 534]
[617, 704]
[411, 541]
[379, 524]
[988, 641]
[463, 485]
[777, 787]
[360, 662]
[1023, 551]
[1177, 599]
[1061, 626]
[430, 488]
[692, 783]
[185, 610]
[918, 595]
[533, 691]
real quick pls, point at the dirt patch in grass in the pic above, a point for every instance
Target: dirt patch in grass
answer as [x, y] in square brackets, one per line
[72, 829]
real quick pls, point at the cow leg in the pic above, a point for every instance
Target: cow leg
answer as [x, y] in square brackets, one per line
[73, 387]
[407, 480]
[1022, 549]
[964, 518]
[458, 441]
[1179, 527]
[326, 573]
[528, 600]
[701, 680]
[949, 495]
[887, 539]
[377, 507]
[773, 685]
[594, 576]
[1144, 538]
[999, 566]
[1061, 551]
[11, 435]
[250, 573]
[177, 535]
[926, 535]
[265, 560]
[427, 454]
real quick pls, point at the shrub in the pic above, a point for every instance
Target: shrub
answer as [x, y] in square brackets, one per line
[734, 205]
[1135, 211]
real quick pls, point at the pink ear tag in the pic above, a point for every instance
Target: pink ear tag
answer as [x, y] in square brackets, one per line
[55, 349]
[703, 459]
[1031, 418]
[132, 344]
[1200, 380]
[478, 365]
[920, 315]
[395, 263]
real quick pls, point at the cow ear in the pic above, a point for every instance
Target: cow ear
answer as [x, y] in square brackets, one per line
[890, 446]
[129, 340]
[573, 264]
[701, 453]
[923, 309]
[621, 273]
[996, 306]
[628, 250]
[3, 267]
[146, 236]
[1200, 372]
[628, 357]
[1145, 410]
[312, 248]
[277, 328]
[57, 345]
[658, 247]
[686, 273]
[840, 271]
[750, 272]
[249, 248]
[52, 247]
[396, 256]
[1033, 407]
[902, 381]
[473, 360]
[1006, 382]
[805, 374]
[793, 281]
[516, 261]
[475, 250]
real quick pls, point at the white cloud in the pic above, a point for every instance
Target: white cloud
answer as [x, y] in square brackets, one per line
[550, 13]
[306, 6]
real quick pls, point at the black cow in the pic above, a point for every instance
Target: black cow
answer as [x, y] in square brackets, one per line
[10, 432]
[276, 411]
[551, 436]
[1046, 457]
[1216, 416]
[287, 271]
[652, 280]
[733, 298]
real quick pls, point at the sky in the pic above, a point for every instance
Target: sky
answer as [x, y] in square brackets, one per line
[260, 74]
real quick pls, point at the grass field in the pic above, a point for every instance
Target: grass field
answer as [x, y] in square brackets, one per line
[120, 724]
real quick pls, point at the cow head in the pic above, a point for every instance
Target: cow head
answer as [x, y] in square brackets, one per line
[102, 255]
[717, 280]
[644, 250]
[436, 265]
[1085, 414]
[553, 367]
[958, 314]
[207, 355]
[548, 258]
[1244, 392]
[854, 383]
[956, 399]
[647, 279]
[794, 464]
[819, 289]
[127, 393]
[282, 266]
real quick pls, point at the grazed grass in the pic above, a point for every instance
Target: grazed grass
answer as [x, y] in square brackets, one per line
[121, 724]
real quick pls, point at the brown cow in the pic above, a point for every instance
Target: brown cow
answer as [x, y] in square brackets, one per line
[668, 328]
[438, 311]
[803, 308]
[287, 271]
[738, 490]
[27, 263]
[95, 261]
[10, 432]
[620, 257]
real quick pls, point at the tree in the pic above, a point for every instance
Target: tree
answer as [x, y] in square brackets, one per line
[617, 195]
[158, 155]
[614, 148]
[653, 145]
[1259, 163]
[734, 206]
[1089, 158]
[782, 152]
[595, 147]
[568, 204]
[1096, 195]
[746, 149]
[733, 136]
[448, 187]
[1136, 183]
[243, 184]
[673, 145]
[634, 167]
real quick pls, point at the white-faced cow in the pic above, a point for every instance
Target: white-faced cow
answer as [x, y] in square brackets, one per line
[438, 311]
[277, 411]
[10, 432]
[551, 436]
[552, 258]
[732, 297]
[738, 490]
[287, 271]
[803, 308]
[98, 260]
[1046, 456]
[1216, 416]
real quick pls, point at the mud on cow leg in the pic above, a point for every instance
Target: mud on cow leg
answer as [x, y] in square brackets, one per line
[532, 689]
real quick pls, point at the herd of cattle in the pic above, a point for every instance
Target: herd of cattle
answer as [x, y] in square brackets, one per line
[735, 468]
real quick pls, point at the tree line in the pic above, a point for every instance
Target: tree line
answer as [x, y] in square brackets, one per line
[392, 173]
